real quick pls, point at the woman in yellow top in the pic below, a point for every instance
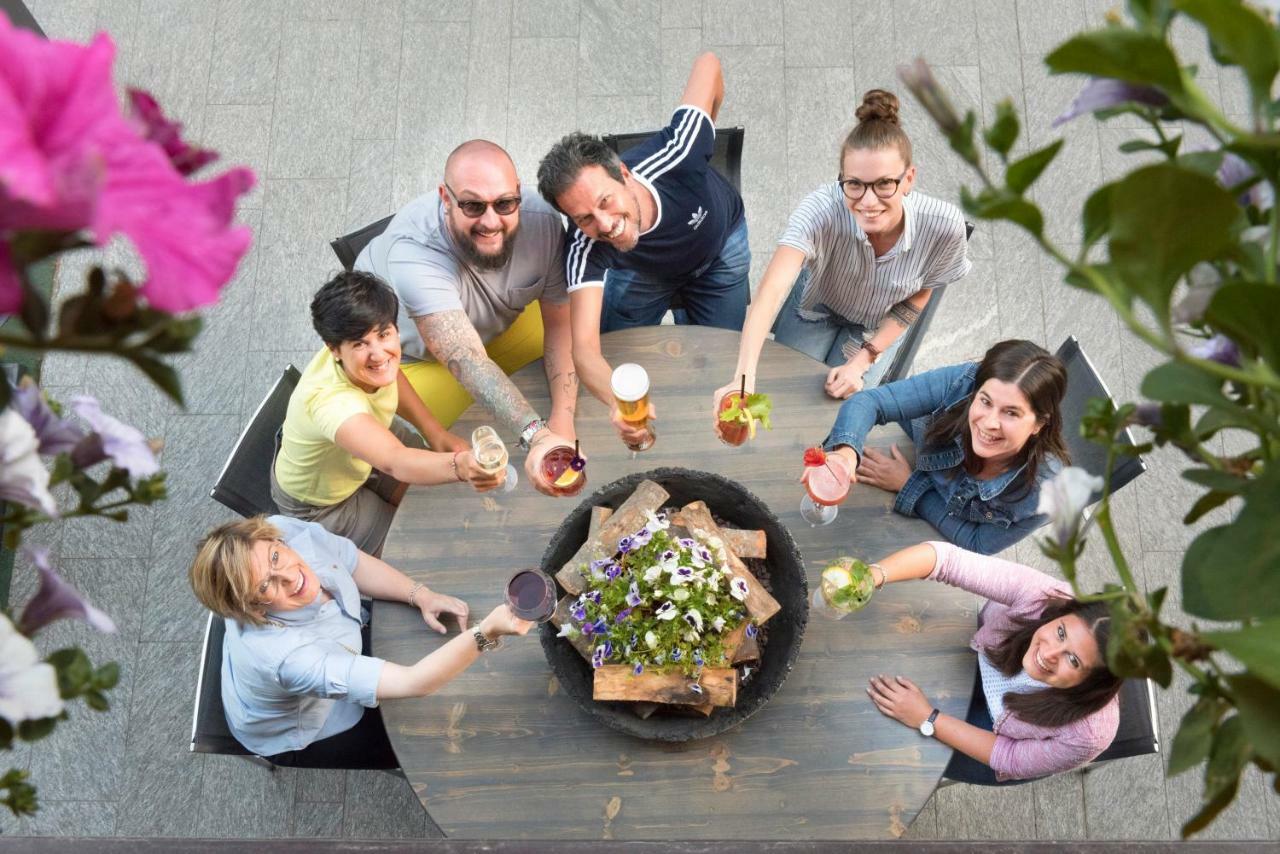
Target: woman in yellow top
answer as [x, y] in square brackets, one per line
[343, 460]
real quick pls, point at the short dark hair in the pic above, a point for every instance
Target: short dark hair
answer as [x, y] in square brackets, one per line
[568, 157]
[351, 304]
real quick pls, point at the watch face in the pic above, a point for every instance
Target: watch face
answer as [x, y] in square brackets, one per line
[926, 728]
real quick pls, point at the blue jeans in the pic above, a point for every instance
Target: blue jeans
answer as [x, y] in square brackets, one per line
[715, 295]
[831, 340]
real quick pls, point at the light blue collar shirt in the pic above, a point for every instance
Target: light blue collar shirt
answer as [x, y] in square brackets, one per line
[301, 677]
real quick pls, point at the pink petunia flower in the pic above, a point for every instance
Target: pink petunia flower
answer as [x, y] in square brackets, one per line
[70, 161]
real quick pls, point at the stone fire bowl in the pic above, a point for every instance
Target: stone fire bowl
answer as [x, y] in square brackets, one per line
[730, 502]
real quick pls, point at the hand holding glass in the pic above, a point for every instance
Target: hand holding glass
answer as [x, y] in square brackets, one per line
[631, 391]
[491, 455]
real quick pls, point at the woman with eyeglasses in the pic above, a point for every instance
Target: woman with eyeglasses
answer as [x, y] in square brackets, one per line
[299, 686]
[857, 262]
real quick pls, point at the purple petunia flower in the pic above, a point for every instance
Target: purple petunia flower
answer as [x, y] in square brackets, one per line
[1219, 348]
[1233, 172]
[1101, 93]
[55, 434]
[123, 445]
[57, 600]
[625, 545]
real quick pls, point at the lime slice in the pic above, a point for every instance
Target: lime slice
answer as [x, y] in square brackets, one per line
[568, 477]
[835, 577]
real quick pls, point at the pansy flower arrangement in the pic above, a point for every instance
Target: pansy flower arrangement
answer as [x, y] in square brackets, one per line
[662, 601]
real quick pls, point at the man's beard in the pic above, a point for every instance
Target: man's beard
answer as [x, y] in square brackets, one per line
[481, 261]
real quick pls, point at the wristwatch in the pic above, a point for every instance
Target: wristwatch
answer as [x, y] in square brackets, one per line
[926, 728]
[484, 643]
[872, 350]
[530, 430]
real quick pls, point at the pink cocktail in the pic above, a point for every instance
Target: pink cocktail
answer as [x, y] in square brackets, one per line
[826, 485]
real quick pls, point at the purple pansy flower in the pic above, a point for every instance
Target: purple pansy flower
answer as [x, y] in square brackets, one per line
[704, 555]
[601, 626]
[665, 611]
[1100, 93]
[686, 543]
[752, 631]
[641, 537]
[676, 654]
[622, 615]
[123, 445]
[667, 555]
[1219, 348]
[594, 596]
[597, 658]
[612, 571]
[56, 434]
[697, 657]
[738, 589]
[638, 669]
[695, 688]
[694, 618]
[601, 563]
[588, 629]
[625, 545]
[57, 600]
[633, 595]
[578, 612]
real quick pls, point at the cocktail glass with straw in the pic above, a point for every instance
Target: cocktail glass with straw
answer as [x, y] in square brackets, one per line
[733, 433]
[565, 469]
[491, 455]
[826, 484]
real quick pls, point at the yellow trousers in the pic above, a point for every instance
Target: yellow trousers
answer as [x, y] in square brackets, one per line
[519, 345]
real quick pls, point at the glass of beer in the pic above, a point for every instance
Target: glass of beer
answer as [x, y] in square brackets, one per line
[631, 391]
[491, 454]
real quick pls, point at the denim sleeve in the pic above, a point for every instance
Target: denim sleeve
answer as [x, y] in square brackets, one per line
[976, 537]
[900, 401]
[315, 672]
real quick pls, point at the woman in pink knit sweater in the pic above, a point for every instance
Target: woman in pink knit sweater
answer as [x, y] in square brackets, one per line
[1050, 701]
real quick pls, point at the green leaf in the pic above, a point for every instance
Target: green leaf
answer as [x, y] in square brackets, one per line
[1227, 757]
[1119, 53]
[1023, 173]
[962, 138]
[1232, 572]
[1176, 382]
[106, 676]
[1205, 504]
[34, 730]
[1256, 646]
[74, 671]
[1239, 35]
[1135, 145]
[1195, 735]
[1003, 132]
[164, 376]
[97, 701]
[1154, 240]
[1250, 315]
[1004, 205]
[1218, 480]
[1096, 216]
[1214, 420]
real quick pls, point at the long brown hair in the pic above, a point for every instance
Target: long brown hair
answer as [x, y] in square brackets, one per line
[1055, 707]
[1041, 378]
[878, 127]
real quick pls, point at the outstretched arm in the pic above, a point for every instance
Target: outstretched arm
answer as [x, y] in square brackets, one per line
[593, 369]
[454, 343]
[705, 87]
[557, 359]
[437, 669]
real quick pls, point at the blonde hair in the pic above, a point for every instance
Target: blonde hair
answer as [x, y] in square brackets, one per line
[222, 573]
[878, 127]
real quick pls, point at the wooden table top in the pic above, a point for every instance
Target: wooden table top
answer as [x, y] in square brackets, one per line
[502, 753]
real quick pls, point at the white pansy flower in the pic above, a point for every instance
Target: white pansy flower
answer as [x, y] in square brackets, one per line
[679, 594]
[650, 640]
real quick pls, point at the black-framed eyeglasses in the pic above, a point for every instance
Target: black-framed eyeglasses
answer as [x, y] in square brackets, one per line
[474, 209]
[884, 188]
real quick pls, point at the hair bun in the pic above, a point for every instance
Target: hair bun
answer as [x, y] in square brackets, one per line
[878, 105]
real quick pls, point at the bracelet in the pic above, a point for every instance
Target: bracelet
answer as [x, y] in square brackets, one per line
[884, 576]
[873, 350]
[413, 593]
[454, 463]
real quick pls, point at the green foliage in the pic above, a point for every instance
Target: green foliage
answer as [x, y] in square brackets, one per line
[1192, 254]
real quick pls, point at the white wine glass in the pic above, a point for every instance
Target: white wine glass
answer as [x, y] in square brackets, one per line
[491, 455]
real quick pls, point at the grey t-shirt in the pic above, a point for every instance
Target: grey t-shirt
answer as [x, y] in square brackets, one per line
[418, 257]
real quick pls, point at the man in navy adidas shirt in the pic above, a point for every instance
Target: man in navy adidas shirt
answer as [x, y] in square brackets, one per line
[655, 222]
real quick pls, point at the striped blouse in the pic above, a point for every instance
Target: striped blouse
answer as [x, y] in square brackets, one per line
[848, 278]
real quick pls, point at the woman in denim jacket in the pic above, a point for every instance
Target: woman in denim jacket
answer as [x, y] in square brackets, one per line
[986, 436]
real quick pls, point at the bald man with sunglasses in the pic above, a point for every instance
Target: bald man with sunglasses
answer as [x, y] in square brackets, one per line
[479, 269]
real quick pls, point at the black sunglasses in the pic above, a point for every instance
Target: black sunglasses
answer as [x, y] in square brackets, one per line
[474, 209]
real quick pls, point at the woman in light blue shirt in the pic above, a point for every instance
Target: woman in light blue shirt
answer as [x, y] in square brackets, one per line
[986, 436]
[296, 686]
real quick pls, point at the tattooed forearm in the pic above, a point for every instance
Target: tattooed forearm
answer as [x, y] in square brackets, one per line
[904, 313]
[452, 339]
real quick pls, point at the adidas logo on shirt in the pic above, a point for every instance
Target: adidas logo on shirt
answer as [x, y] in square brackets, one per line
[697, 218]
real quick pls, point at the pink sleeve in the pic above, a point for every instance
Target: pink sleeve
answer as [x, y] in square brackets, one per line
[1025, 758]
[1002, 581]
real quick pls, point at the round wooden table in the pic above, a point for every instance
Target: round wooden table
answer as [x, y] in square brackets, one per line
[502, 753]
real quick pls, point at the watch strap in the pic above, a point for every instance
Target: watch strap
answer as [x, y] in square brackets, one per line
[483, 643]
[530, 430]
